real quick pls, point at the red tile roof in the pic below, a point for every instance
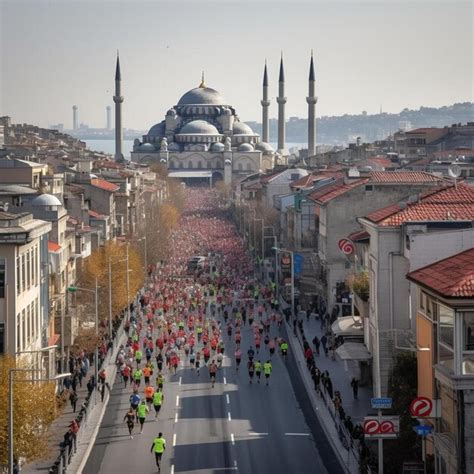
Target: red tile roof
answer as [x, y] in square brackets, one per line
[391, 177]
[306, 181]
[359, 236]
[448, 203]
[452, 277]
[105, 185]
[334, 190]
[53, 246]
[96, 215]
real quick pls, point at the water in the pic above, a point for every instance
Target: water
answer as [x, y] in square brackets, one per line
[108, 146]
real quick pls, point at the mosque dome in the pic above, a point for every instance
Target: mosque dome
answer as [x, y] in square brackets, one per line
[147, 147]
[173, 146]
[202, 96]
[46, 200]
[246, 147]
[218, 147]
[265, 147]
[199, 127]
[241, 128]
[157, 130]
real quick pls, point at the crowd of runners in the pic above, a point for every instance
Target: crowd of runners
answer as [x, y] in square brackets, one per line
[194, 319]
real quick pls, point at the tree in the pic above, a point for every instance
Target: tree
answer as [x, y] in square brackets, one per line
[34, 409]
[97, 266]
[402, 388]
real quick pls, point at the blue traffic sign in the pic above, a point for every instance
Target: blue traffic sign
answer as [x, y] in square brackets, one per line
[381, 403]
[298, 263]
[423, 430]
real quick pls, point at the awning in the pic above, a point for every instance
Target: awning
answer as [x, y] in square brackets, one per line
[348, 326]
[353, 351]
[190, 174]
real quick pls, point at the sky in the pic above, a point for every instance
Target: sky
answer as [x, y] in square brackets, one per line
[378, 53]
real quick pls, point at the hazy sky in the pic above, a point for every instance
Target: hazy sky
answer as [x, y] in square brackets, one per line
[397, 54]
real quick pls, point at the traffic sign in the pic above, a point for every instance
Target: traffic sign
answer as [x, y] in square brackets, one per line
[421, 407]
[381, 403]
[381, 427]
[346, 246]
[298, 263]
[423, 430]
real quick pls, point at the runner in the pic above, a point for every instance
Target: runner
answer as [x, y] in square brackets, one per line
[158, 398]
[142, 412]
[130, 419]
[213, 372]
[238, 358]
[251, 369]
[158, 447]
[258, 370]
[267, 369]
[149, 392]
[134, 402]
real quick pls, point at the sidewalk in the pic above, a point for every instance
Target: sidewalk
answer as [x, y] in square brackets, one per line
[90, 422]
[341, 374]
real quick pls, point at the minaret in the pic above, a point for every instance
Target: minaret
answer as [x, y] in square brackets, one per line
[311, 99]
[265, 104]
[108, 111]
[75, 120]
[281, 99]
[118, 99]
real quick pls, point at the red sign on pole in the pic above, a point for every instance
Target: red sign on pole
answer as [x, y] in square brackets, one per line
[421, 407]
[381, 426]
[346, 246]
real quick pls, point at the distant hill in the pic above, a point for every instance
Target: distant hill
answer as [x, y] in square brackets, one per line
[340, 130]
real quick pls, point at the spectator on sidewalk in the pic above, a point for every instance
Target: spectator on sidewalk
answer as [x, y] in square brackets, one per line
[90, 385]
[316, 343]
[73, 400]
[324, 341]
[316, 375]
[308, 354]
[349, 425]
[355, 387]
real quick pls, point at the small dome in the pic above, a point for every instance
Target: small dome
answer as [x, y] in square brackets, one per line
[241, 128]
[202, 96]
[46, 200]
[246, 147]
[217, 147]
[157, 130]
[173, 146]
[147, 147]
[264, 146]
[199, 127]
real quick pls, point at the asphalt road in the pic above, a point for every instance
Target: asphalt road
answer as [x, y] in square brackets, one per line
[234, 427]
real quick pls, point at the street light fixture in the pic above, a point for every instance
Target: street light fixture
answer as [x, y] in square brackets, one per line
[277, 251]
[10, 406]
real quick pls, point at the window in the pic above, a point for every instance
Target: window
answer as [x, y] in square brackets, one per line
[190, 164]
[18, 332]
[181, 165]
[369, 187]
[28, 269]
[23, 329]
[468, 331]
[446, 325]
[209, 165]
[23, 273]
[2, 278]
[18, 276]
[35, 266]
[199, 164]
[37, 316]
[249, 167]
[28, 325]
[2, 338]
[240, 167]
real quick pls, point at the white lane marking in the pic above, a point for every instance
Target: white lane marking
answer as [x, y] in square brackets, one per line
[225, 381]
[227, 398]
[176, 417]
[297, 434]
[253, 433]
[174, 439]
[177, 400]
[179, 383]
[172, 469]
[232, 439]
[228, 416]
[235, 463]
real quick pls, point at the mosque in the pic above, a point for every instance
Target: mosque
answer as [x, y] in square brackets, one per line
[202, 137]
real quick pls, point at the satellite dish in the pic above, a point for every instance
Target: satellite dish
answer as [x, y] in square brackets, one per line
[454, 171]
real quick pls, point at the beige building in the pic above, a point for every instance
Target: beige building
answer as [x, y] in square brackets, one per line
[23, 282]
[27, 173]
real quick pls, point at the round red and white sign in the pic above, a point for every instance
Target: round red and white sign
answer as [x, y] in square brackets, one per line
[346, 246]
[421, 407]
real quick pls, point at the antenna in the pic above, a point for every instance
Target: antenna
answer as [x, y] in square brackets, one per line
[454, 171]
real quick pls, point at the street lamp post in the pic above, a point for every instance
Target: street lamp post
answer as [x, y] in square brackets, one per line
[10, 407]
[277, 250]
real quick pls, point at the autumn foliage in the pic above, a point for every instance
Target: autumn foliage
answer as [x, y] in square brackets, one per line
[34, 409]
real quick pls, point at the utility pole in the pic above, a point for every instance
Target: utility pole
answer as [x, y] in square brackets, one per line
[110, 298]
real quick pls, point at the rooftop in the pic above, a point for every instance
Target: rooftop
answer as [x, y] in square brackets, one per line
[448, 203]
[403, 177]
[452, 277]
[332, 191]
[105, 185]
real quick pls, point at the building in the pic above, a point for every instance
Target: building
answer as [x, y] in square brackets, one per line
[401, 238]
[27, 173]
[445, 341]
[24, 304]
